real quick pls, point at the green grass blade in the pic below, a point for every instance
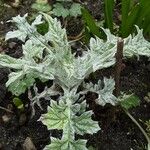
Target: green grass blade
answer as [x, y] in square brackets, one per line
[90, 23]
[132, 17]
[144, 11]
[125, 8]
[109, 7]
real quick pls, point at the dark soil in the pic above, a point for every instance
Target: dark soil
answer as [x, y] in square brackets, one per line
[117, 132]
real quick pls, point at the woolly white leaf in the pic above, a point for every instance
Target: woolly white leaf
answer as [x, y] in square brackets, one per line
[135, 45]
[32, 50]
[37, 21]
[7, 61]
[28, 70]
[28, 31]
[102, 53]
[16, 34]
[56, 34]
[83, 66]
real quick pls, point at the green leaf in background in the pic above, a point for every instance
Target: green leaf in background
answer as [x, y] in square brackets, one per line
[134, 13]
[91, 148]
[109, 7]
[90, 23]
[41, 5]
[144, 15]
[59, 10]
[42, 28]
[130, 101]
[75, 9]
[125, 8]
[131, 21]
[18, 103]
[146, 24]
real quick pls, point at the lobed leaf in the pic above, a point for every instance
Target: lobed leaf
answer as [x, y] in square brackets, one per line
[56, 117]
[129, 101]
[84, 124]
[66, 144]
[104, 91]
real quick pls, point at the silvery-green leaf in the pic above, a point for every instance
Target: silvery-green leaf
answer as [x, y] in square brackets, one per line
[56, 117]
[28, 30]
[13, 77]
[110, 37]
[105, 95]
[104, 91]
[70, 95]
[22, 31]
[7, 61]
[16, 34]
[79, 108]
[84, 124]
[65, 144]
[83, 66]
[18, 82]
[136, 45]
[37, 21]
[82, 107]
[56, 33]
[32, 50]
[35, 96]
[102, 53]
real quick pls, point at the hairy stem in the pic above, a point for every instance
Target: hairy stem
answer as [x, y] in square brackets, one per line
[6, 109]
[139, 126]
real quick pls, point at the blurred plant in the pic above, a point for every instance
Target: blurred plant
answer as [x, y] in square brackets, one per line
[66, 8]
[2, 7]
[148, 127]
[147, 98]
[134, 13]
[18, 103]
[41, 5]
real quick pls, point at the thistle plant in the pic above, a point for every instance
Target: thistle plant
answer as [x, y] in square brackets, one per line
[49, 57]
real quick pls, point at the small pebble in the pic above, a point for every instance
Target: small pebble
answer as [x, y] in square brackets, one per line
[28, 144]
[5, 118]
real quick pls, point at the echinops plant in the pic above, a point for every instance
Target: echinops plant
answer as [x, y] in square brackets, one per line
[49, 57]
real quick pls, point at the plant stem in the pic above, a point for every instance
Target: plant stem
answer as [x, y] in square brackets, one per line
[6, 109]
[139, 126]
[118, 68]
